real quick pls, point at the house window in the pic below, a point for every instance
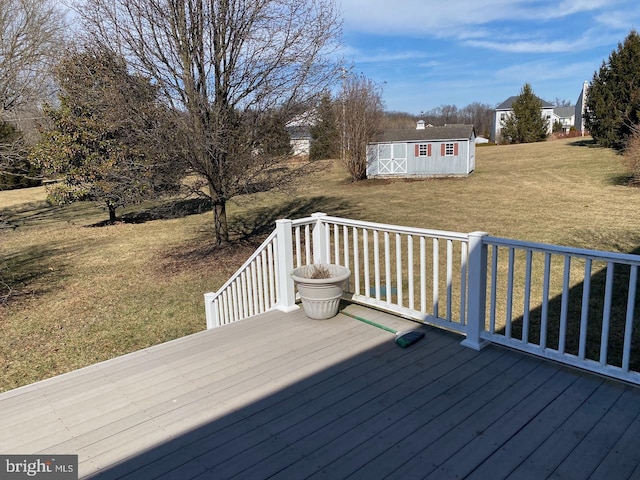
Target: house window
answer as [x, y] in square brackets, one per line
[448, 148]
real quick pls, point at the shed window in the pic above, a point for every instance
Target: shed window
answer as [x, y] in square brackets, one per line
[423, 150]
[449, 148]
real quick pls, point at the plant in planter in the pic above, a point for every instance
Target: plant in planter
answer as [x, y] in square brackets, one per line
[320, 287]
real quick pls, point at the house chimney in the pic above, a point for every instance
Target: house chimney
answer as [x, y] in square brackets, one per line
[420, 125]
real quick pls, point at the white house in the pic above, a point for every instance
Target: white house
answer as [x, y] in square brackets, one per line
[566, 116]
[505, 109]
[299, 129]
[423, 152]
[581, 109]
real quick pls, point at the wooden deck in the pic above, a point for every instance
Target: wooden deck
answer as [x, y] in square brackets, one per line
[287, 397]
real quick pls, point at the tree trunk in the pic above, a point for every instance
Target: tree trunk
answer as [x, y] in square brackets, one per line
[220, 221]
[112, 213]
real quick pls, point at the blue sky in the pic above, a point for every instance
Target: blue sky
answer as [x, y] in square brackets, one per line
[427, 53]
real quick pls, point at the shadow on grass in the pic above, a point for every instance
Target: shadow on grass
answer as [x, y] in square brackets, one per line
[247, 231]
[260, 222]
[626, 180]
[596, 312]
[169, 209]
[584, 142]
[32, 271]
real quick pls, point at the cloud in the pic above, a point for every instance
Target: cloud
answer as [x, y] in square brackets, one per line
[524, 47]
[619, 19]
[464, 19]
[543, 71]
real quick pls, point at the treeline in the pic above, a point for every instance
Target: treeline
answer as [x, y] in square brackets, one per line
[480, 115]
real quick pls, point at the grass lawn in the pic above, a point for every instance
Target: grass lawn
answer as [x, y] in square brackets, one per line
[82, 293]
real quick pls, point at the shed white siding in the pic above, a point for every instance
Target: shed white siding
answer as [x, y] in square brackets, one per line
[422, 157]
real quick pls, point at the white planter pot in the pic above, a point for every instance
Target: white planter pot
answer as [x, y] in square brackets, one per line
[320, 296]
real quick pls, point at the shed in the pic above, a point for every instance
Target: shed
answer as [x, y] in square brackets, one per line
[423, 152]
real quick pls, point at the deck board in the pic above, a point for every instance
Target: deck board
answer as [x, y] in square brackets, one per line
[283, 396]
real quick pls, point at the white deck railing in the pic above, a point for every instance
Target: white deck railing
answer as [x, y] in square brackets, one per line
[561, 303]
[571, 305]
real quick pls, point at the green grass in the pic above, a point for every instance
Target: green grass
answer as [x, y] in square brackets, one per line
[82, 293]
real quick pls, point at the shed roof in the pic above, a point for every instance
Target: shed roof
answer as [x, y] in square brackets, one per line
[508, 103]
[448, 132]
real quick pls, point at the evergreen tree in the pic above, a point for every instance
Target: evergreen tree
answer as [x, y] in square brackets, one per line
[613, 100]
[325, 138]
[108, 142]
[525, 124]
[16, 171]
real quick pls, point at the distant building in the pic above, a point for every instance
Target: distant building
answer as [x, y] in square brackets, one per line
[423, 152]
[299, 130]
[505, 110]
[581, 110]
[566, 116]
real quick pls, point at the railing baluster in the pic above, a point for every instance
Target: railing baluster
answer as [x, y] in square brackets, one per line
[449, 279]
[365, 262]
[564, 304]
[527, 297]
[436, 279]
[225, 302]
[509, 309]
[376, 263]
[398, 270]
[245, 295]
[307, 245]
[356, 262]
[628, 328]
[387, 267]
[463, 282]
[345, 247]
[276, 262]
[411, 283]
[264, 291]
[336, 244]
[545, 300]
[254, 285]
[423, 274]
[606, 315]
[272, 275]
[234, 302]
[298, 253]
[260, 291]
[494, 291]
[327, 243]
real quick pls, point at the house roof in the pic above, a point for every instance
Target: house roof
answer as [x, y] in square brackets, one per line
[508, 103]
[565, 111]
[448, 132]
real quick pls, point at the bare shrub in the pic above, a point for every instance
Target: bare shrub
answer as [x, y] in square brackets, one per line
[632, 156]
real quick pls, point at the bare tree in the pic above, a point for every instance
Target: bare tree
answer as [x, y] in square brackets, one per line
[480, 115]
[30, 35]
[558, 102]
[226, 67]
[361, 116]
[399, 120]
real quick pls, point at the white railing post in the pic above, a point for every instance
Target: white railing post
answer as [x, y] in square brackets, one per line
[284, 265]
[477, 291]
[320, 247]
[211, 312]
